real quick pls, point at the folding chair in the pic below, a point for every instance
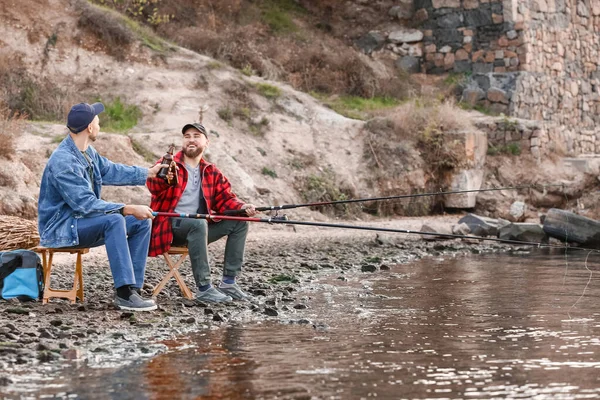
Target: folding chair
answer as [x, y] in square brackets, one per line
[174, 271]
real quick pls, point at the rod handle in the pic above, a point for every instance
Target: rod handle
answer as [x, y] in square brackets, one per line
[234, 212]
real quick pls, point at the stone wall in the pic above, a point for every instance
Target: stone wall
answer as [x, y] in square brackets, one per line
[469, 36]
[529, 59]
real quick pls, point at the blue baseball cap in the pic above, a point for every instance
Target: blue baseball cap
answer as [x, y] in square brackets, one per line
[81, 115]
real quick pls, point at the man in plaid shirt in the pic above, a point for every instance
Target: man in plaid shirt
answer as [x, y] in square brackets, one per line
[200, 189]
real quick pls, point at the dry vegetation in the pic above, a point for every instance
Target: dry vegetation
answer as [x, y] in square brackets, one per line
[284, 40]
[390, 142]
[39, 98]
[11, 126]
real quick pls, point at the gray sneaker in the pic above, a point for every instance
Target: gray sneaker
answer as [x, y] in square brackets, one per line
[233, 290]
[135, 303]
[212, 295]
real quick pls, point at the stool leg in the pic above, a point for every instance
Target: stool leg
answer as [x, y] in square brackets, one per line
[186, 291]
[47, 273]
[166, 278]
[79, 278]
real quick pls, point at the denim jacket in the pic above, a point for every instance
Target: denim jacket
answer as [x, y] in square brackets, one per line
[66, 192]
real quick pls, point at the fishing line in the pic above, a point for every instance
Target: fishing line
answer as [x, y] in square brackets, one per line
[586, 285]
[403, 196]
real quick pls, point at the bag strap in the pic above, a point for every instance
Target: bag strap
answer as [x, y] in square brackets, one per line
[10, 266]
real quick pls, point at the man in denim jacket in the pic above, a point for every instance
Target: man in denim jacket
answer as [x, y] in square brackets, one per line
[72, 214]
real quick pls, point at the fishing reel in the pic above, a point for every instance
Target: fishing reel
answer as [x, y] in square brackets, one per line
[277, 218]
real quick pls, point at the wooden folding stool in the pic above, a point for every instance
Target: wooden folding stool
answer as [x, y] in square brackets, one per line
[47, 258]
[174, 271]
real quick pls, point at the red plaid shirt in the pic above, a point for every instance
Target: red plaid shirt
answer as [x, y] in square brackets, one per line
[217, 193]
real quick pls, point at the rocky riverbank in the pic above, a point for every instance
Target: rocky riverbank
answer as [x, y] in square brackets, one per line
[279, 261]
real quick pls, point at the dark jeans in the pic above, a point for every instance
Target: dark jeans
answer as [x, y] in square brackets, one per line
[198, 234]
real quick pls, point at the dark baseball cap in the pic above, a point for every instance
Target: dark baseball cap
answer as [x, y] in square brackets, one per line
[195, 125]
[81, 115]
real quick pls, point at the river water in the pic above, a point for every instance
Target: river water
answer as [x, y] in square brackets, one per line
[520, 325]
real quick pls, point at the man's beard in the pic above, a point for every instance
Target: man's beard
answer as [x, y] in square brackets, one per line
[192, 153]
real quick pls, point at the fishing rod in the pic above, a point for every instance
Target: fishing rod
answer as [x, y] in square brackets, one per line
[403, 196]
[283, 220]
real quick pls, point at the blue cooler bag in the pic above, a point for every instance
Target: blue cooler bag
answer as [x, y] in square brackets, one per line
[21, 275]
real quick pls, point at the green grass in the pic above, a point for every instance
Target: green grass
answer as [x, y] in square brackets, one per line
[148, 37]
[247, 70]
[510, 148]
[119, 116]
[477, 107]
[277, 14]
[356, 107]
[283, 278]
[269, 172]
[456, 78]
[269, 91]
[225, 114]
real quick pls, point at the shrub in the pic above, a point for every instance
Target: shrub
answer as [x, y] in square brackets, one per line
[269, 91]
[11, 126]
[325, 188]
[119, 116]
[38, 98]
[108, 25]
[225, 114]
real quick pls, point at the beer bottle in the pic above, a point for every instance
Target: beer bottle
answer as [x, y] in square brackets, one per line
[168, 159]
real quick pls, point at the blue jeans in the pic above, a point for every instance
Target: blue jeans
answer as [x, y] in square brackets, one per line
[126, 240]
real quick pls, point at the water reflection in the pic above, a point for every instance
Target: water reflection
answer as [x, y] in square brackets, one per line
[494, 326]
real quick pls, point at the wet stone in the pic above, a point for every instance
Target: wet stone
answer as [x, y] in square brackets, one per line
[300, 306]
[384, 267]
[17, 310]
[45, 333]
[208, 311]
[368, 268]
[47, 356]
[5, 381]
[56, 322]
[271, 312]
[218, 317]
[192, 303]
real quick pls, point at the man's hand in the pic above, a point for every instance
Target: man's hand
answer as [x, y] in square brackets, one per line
[139, 212]
[154, 170]
[250, 209]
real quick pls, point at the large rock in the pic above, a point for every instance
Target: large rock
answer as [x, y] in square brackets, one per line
[409, 64]
[570, 227]
[470, 177]
[523, 232]
[481, 226]
[444, 231]
[370, 42]
[405, 36]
